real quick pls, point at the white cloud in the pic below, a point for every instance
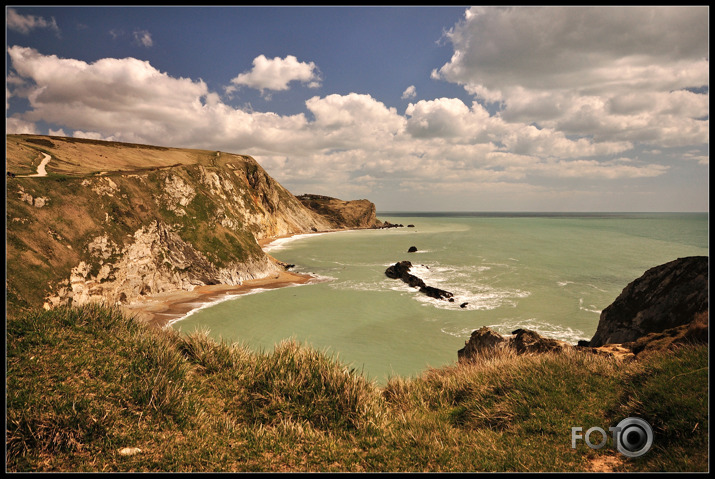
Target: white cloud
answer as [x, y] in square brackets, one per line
[143, 38]
[343, 144]
[19, 127]
[275, 74]
[608, 73]
[26, 23]
[410, 92]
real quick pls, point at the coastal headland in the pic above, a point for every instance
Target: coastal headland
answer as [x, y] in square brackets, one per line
[158, 232]
[141, 225]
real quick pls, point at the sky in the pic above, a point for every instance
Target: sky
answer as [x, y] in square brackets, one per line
[417, 108]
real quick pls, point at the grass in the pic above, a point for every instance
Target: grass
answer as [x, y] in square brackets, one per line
[84, 383]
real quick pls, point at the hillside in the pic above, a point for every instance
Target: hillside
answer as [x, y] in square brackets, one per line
[116, 221]
[90, 390]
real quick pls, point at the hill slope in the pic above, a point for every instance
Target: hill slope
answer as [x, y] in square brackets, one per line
[114, 221]
[90, 390]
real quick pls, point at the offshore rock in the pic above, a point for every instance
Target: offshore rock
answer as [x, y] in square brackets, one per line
[664, 297]
[401, 270]
[527, 341]
[483, 341]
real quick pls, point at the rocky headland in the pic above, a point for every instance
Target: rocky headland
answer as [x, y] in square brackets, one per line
[343, 214]
[665, 307]
[118, 222]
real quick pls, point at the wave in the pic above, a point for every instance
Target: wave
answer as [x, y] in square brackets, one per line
[281, 243]
[544, 328]
[581, 307]
[209, 304]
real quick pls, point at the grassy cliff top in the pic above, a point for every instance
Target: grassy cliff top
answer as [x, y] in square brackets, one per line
[81, 157]
[91, 390]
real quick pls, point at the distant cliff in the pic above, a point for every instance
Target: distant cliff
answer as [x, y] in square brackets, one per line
[115, 221]
[354, 214]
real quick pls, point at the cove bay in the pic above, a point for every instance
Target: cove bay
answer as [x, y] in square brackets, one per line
[551, 273]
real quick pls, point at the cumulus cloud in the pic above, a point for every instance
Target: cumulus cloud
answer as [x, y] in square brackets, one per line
[276, 73]
[410, 92]
[26, 23]
[17, 126]
[613, 74]
[349, 144]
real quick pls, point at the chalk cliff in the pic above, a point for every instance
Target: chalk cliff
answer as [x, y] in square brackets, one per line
[115, 221]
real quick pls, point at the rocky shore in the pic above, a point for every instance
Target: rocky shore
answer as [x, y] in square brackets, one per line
[665, 307]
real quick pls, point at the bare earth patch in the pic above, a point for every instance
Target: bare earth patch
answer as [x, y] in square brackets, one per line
[605, 464]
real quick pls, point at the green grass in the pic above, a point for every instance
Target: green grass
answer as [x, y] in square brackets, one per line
[83, 383]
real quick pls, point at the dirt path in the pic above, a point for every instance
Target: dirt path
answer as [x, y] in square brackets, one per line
[41, 171]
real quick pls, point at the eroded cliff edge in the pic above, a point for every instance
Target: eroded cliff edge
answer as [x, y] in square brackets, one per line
[113, 222]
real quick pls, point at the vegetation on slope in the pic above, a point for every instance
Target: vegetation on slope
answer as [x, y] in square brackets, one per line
[86, 385]
[98, 195]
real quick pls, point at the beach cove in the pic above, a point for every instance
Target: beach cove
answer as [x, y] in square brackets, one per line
[550, 273]
[164, 309]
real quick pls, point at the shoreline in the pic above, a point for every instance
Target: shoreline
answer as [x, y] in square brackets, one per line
[162, 310]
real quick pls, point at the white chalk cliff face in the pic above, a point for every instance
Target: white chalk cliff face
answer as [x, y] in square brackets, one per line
[115, 237]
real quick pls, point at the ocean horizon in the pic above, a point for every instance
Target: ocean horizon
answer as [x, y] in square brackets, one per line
[552, 272]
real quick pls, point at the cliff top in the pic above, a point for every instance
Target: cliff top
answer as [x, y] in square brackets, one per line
[83, 157]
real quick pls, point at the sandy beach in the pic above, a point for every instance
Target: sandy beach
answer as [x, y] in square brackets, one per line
[161, 309]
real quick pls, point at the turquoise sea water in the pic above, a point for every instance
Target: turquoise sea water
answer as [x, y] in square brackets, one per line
[550, 273]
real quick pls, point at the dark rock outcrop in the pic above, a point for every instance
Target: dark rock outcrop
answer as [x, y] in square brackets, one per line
[695, 332]
[485, 342]
[482, 341]
[665, 297]
[387, 224]
[412, 249]
[401, 271]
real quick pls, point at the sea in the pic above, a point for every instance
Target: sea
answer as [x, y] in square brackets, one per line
[551, 273]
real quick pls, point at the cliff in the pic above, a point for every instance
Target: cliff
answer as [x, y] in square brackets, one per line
[354, 214]
[115, 221]
[664, 297]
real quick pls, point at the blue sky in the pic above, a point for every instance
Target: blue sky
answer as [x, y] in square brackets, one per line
[415, 108]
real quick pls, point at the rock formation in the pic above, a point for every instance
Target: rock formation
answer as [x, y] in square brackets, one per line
[401, 270]
[664, 308]
[692, 333]
[664, 297]
[485, 342]
[115, 221]
[341, 214]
